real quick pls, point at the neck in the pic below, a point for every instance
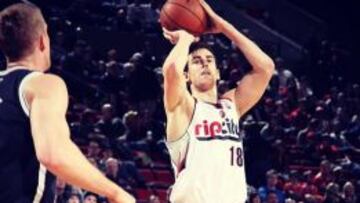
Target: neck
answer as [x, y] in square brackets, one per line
[210, 96]
[28, 63]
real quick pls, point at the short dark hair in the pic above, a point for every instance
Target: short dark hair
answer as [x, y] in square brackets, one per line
[200, 45]
[271, 173]
[20, 26]
[91, 194]
[196, 46]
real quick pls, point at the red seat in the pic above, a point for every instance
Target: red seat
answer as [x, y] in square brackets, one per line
[164, 176]
[143, 194]
[162, 194]
[161, 165]
[147, 174]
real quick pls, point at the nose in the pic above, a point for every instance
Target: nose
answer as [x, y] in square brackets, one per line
[204, 63]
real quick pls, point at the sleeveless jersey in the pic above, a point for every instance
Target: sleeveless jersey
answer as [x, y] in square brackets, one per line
[208, 160]
[22, 178]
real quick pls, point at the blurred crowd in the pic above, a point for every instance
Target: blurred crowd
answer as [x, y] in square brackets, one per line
[302, 139]
[309, 143]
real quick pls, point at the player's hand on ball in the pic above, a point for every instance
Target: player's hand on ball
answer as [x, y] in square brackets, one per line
[175, 36]
[216, 22]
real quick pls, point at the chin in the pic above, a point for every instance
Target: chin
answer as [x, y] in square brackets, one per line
[206, 86]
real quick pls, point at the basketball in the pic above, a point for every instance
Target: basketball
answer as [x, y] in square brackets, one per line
[188, 15]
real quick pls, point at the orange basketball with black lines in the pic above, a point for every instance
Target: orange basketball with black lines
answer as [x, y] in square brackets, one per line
[188, 15]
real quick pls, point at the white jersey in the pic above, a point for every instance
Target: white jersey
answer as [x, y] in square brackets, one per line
[208, 160]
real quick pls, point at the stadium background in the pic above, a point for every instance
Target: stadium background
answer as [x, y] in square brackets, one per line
[301, 140]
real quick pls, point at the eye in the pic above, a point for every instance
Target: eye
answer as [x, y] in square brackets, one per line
[196, 61]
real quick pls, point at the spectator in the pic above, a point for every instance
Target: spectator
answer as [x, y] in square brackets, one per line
[149, 90]
[270, 188]
[154, 199]
[90, 198]
[109, 125]
[324, 176]
[332, 193]
[308, 189]
[289, 200]
[284, 74]
[254, 198]
[124, 173]
[74, 198]
[112, 172]
[60, 191]
[349, 195]
[86, 123]
[272, 197]
[74, 61]
[292, 188]
[111, 81]
[135, 13]
[94, 150]
[58, 48]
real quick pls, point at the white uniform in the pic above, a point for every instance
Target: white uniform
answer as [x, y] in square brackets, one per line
[208, 160]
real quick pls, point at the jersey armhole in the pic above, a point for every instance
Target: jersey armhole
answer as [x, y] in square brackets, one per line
[187, 128]
[23, 102]
[231, 102]
[178, 149]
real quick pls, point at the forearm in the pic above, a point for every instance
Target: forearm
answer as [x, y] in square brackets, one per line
[74, 168]
[259, 60]
[65, 160]
[51, 138]
[178, 56]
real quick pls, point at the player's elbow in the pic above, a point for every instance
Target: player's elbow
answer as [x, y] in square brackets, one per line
[51, 142]
[267, 67]
[51, 155]
[270, 67]
[48, 159]
[168, 67]
[170, 70]
[264, 66]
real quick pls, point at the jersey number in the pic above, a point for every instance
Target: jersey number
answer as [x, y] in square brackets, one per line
[236, 156]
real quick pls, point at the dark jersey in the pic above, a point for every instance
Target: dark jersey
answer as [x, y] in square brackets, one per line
[22, 178]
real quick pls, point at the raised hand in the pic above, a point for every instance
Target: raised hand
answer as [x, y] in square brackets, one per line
[175, 36]
[216, 21]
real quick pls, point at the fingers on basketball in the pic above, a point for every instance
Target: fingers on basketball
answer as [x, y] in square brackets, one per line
[188, 15]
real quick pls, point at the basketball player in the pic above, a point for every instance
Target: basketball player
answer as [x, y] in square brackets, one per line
[202, 127]
[34, 135]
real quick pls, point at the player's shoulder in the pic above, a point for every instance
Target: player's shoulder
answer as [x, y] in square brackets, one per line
[46, 80]
[45, 83]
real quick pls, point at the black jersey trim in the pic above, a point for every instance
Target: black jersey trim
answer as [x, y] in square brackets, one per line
[223, 138]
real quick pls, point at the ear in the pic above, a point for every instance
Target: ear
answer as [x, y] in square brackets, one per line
[42, 43]
[187, 77]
